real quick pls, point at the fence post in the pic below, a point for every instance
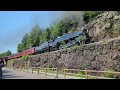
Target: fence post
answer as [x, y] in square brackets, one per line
[57, 72]
[13, 68]
[32, 70]
[23, 69]
[38, 70]
[20, 68]
[27, 69]
[86, 73]
[46, 71]
[64, 73]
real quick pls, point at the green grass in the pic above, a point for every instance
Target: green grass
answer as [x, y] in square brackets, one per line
[109, 74]
[82, 76]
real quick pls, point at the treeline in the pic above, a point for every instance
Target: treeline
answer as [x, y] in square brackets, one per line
[65, 25]
[90, 15]
[5, 54]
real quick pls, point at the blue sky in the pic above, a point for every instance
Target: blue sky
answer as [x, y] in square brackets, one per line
[14, 24]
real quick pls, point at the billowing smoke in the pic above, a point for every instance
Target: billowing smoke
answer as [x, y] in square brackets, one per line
[78, 14]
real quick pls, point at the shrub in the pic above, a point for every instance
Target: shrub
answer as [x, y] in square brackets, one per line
[89, 15]
[82, 72]
[74, 47]
[49, 66]
[25, 57]
[82, 39]
[109, 74]
[63, 44]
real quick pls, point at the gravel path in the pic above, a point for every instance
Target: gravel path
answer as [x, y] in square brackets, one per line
[13, 74]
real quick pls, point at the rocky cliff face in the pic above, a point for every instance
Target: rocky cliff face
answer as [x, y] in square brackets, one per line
[105, 26]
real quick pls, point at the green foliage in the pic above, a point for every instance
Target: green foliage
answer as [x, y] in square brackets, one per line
[20, 48]
[25, 57]
[109, 74]
[23, 45]
[89, 15]
[46, 36]
[42, 38]
[10, 63]
[24, 41]
[82, 39]
[63, 44]
[8, 53]
[57, 31]
[5, 54]
[49, 66]
[64, 25]
[33, 39]
[82, 72]
[74, 47]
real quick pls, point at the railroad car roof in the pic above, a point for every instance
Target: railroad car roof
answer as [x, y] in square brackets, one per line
[66, 37]
[76, 34]
[43, 45]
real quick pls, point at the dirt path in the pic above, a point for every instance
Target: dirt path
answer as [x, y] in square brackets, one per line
[13, 74]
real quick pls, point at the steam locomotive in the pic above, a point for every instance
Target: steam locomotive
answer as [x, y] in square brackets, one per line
[52, 45]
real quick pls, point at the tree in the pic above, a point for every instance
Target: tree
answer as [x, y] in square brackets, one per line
[89, 15]
[33, 39]
[48, 36]
[5, 54]
[24, 41]
[8, 53]
[20, 48]
[65, 25]
[82, 40]
[57, 29]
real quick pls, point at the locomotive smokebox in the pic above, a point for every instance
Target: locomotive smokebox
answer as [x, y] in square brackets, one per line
[84, 30]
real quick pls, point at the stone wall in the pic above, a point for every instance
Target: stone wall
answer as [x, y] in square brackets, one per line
[102, 55]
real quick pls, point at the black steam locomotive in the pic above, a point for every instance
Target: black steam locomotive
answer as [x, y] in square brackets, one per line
[68, 39]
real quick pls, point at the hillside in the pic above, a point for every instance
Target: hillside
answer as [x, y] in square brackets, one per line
[104, 26]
